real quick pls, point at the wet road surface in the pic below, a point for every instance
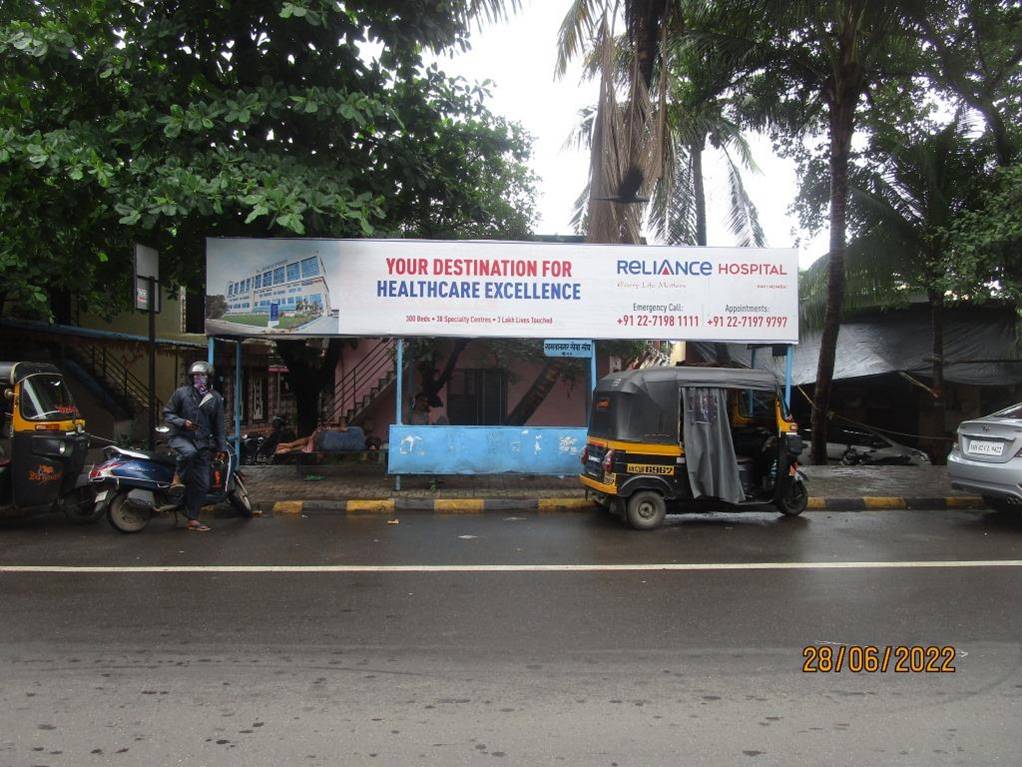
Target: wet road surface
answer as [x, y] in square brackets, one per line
[485, 666]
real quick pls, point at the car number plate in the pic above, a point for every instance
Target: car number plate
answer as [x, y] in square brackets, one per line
[982, 447]
[101, 495]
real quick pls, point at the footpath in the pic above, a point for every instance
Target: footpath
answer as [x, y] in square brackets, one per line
[366, 487]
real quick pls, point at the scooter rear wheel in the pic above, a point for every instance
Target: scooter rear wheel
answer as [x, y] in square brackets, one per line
[126, 518]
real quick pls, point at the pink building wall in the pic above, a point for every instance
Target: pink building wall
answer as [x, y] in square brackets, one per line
[566, 405]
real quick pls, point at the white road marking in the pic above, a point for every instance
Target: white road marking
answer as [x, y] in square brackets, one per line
[537, 568]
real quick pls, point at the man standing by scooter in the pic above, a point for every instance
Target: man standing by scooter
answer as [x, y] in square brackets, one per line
[195, 413]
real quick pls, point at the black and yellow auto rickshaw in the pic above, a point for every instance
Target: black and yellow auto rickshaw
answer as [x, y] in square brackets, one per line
[43, 444]
[685, 436]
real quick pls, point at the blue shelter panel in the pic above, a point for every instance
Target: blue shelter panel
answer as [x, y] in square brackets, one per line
[485, 449]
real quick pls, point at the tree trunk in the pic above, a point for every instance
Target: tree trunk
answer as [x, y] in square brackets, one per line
[939, 401]
[433, 382]
[842, 115]
[699, 190]
[536, 393]
[310, 370]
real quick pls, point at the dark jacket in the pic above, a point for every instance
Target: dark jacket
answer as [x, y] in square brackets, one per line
[186, 404]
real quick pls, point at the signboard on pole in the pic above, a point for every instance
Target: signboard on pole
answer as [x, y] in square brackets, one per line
[147, 265]
[567, 348]
[503, 290]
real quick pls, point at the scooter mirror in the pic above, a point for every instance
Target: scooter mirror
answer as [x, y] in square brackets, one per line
[162, 429]
[9, 395]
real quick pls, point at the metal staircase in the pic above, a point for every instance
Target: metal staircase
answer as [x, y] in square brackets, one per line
[118, 382]
[361, 387]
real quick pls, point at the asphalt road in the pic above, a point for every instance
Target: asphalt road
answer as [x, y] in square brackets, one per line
[516, 638]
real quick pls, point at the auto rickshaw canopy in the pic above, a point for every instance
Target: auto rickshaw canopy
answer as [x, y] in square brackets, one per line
[13, 372]
[644, 405]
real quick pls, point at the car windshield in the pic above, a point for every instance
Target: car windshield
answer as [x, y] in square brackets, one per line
[1015, 411]
[45, 397]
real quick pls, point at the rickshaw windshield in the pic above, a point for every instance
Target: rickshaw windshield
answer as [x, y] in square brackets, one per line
[756, 404]
[46, 398]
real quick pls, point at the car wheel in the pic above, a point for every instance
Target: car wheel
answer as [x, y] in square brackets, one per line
[794, 500]
[126, 518]
[646, 510]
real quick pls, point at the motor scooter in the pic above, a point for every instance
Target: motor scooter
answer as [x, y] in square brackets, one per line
[132, 485]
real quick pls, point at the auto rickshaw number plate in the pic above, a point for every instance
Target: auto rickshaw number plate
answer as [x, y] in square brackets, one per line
[649, 468]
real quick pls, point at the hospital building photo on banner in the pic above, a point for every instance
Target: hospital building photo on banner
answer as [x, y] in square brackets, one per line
[270, 287]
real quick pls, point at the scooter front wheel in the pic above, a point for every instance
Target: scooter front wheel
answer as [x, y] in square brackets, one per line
[238, 498]
[125, 517]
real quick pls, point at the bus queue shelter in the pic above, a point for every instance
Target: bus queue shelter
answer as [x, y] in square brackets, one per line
[563, 293]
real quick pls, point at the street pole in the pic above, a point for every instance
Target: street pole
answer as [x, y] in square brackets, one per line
[151, 281]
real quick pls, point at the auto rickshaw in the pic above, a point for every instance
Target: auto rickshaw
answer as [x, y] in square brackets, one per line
[695, 438]
[43, 444]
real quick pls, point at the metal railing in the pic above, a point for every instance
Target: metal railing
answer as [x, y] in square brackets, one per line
[358, 388]
[113, 372]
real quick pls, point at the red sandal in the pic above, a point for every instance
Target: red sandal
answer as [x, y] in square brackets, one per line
[196, 526]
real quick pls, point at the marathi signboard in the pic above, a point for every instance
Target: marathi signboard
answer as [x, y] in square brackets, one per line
[568, 348]
[501, 289]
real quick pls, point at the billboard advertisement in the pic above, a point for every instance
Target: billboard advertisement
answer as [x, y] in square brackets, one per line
[501, 289]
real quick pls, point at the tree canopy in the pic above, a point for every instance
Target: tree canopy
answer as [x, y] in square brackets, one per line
[167, 122]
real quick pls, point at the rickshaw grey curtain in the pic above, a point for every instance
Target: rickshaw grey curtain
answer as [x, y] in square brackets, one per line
[709, 449]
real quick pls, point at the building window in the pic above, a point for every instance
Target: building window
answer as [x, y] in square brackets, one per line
[258, 280]
[278, 275]
[477, 397]
[293, 272]
[310, 267]
[267, 279]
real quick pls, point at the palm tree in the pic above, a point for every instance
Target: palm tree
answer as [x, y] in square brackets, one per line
[807, 65]
[628, 129]
[903, 211]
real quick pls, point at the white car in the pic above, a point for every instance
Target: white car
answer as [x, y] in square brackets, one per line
[856, 446]
[987, 458]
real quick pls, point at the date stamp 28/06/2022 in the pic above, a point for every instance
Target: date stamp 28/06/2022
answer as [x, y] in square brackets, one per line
[878, 659]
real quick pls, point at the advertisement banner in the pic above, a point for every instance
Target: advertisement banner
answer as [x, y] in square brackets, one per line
[501, 289]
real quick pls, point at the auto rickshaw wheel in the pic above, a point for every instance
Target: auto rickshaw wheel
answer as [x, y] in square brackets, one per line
[646, 510]
[124, 517]
[794, 500]
[80, 508]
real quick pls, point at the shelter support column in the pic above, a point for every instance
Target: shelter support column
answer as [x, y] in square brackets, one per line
[398, 374]
[239, 390]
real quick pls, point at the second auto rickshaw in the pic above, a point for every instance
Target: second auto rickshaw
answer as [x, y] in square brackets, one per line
[684, 435]
[43, 444]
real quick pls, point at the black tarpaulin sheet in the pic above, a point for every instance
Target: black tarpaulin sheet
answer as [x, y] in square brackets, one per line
[980, 348]
[709, 449]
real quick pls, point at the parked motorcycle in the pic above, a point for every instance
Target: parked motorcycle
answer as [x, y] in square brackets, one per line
[259, 448]
[132, 485]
